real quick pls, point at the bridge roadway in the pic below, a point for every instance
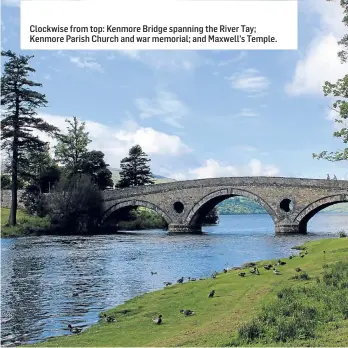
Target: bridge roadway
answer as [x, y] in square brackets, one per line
[290, 202]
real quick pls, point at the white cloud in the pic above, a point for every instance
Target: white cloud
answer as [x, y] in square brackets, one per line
[247, 113]
[116, 141]
[214, 169]
[249, 80]
[166, 106]
[320, 62]
[167, 60]
[86, 63]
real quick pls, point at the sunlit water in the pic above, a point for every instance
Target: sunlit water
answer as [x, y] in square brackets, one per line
[49, 282]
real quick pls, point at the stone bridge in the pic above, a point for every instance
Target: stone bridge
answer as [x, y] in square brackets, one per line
[290, 202]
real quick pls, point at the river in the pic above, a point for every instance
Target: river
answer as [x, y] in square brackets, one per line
[49, 282]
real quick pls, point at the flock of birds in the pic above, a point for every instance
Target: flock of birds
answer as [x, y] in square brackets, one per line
[188, 312]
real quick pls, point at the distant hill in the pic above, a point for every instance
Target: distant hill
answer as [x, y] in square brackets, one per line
[159, 179]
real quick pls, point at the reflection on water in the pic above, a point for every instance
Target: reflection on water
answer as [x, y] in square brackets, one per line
[49, 282]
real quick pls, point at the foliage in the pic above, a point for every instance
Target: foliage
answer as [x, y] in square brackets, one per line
[142, 219]
[75, 206]
[34, 201]
[300, 312]
[48, 178]
[339, 91]
[20, 101]
[93, 164]
[342, 234]
[5, 181]
[239, 205]
[71, 147]
[26, 224]
[135, 170]
[212, 218]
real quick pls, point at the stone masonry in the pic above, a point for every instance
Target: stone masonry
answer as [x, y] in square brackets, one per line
[291, 202]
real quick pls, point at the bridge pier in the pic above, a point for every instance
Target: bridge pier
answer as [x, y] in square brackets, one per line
[290, 228]
[183, 228]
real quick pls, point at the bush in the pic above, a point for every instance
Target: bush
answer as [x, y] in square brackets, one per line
[34, 201]
[299, 312]
[342, 234]
[76, 205]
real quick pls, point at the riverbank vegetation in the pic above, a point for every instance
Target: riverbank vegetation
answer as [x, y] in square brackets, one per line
[256, 310]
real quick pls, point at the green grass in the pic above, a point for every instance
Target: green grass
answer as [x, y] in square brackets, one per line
[238, 308]
[26, 224]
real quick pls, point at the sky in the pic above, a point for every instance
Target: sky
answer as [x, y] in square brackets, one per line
[201, 114]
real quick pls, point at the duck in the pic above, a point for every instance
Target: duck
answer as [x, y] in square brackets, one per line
[224, 270]
[180, 280]
[167, 283]
[306, 252]
[267, 267]
[257, 272]
[324, 251]
[298, 269]
[281, 263]
[290, 257]
[75, 329]
[110, 319]
[302, 255]
[276, 272]
[211, 294]
[158, 320]
[253, 270]
[187, 312]
[192, 279]
[153, 273]
[241, 274]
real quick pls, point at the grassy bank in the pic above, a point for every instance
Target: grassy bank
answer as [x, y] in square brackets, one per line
[26, 224]
[253, 310]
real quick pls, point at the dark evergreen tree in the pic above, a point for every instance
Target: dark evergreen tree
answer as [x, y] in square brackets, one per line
[20, 101]
[93, 164]
[135, 170]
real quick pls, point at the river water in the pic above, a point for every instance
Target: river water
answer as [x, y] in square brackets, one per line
[49, 282]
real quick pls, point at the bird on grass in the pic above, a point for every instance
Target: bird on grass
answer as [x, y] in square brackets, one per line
[211, 294]
[306, 252]
[192, 279]
[290, 257]
[224, 270]
[109, 318]
[158, 320]
[267, 267]
[241, 274]
[187, 312]
[74, 330]
[167, 283]
[324, 251]
[302, 255]
[276, 272]
[298, 269]
[281, 263]
[180, 280]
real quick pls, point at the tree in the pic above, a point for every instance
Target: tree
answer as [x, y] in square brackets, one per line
[72, 146]
[339, 91]
[211, 218]
[49, 178]
[20, 101]
[135, 170]
[93, 164]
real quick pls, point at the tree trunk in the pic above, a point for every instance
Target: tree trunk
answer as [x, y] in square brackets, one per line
[13, 213]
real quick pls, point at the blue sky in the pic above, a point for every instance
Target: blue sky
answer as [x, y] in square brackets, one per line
[202, 114]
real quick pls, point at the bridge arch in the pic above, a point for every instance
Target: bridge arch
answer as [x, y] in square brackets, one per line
[313, 208]
[132, 204]
[208, 202]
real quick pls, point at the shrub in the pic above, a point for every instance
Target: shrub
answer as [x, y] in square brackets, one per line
[34, 201]
[76, 204]
[342, 234]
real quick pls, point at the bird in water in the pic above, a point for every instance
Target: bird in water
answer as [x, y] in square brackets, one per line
[241, 274]
[298, 269]
[180, 280]
[158, 320]
[186, 312]
[153, 273]
[167, 283]
[211, 294]
[276, 272]
[74, 330]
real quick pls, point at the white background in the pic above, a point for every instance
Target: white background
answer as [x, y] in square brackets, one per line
[275, 18]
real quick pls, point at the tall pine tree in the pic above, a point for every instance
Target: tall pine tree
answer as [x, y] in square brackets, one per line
[20, 100]
[135, 170]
